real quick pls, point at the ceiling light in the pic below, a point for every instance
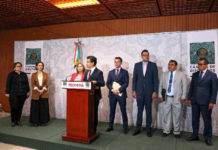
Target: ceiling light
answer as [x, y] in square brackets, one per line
[63, 4]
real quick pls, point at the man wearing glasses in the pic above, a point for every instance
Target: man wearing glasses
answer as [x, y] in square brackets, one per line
[202, 97]
[145, 88]
[172, 92]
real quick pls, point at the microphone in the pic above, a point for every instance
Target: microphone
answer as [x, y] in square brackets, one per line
[67, 77]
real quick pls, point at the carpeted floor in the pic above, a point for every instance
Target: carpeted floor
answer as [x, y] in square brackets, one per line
[49, 138]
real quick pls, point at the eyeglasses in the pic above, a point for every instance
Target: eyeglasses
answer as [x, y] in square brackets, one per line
[145, 55]
[201, 64]
[19, 66]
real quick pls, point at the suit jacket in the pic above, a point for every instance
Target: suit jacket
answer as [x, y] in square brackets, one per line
[122, 79]
[145, 84]
[74, 75]
[204, 91]
[35, 83]
[179, 85]
[97, 75]
[17, 84]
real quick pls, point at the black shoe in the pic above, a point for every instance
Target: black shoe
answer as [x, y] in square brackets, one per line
[165, 134]
[137, 131]
[35, 125]
[209, 142]
[43, 124]
[177, 136]
[149, 134]
[125, 131]
[193, 139]
[13, 124]
[109, 129]
[19, 123]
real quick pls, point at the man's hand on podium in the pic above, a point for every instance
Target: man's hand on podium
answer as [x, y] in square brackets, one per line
[94, 82]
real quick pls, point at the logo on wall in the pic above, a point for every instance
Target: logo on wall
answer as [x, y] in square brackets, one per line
[202, 50]
[33, 55]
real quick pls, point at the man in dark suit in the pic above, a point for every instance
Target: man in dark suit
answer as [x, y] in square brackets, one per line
[120, 76]
[202, 97]
[96, 76]
[145, 88]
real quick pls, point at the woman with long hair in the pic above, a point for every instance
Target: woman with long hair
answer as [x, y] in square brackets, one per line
[39, 111]
[79, 75]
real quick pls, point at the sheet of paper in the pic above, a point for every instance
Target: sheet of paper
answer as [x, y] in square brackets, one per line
[116, 86]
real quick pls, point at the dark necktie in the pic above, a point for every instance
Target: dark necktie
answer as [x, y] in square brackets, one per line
[117, 73]
[200, 75]
[89, 75]
[170, 82]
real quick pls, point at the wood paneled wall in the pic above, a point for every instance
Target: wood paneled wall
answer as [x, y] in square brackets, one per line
[100, 28]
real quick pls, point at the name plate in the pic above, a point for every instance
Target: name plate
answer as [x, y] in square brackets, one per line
[77, 85]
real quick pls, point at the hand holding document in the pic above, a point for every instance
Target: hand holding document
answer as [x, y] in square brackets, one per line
[116, 86]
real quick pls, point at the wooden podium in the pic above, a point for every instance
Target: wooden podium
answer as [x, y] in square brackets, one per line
[80, 112]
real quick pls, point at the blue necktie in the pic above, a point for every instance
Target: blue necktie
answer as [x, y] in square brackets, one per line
[170, 82]
[200, 75]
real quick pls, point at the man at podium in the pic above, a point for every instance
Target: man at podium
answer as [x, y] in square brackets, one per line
[96, 77]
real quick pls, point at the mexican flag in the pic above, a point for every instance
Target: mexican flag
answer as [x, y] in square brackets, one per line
[77, 53]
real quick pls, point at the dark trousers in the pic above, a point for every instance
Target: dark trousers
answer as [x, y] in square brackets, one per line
[122, 103]
[96, 114]
[16, 104]
[206, 114]
[144, 102]
[39, 111]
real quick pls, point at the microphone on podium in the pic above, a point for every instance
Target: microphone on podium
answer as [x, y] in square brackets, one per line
[67, 77]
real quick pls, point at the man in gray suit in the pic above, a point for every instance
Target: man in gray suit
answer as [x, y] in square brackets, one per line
[172, 92]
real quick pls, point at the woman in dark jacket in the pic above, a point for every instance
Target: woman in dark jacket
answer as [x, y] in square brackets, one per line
[17, 89]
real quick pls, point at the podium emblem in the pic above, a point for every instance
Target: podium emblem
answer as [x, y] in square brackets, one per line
[64, 83]
[87, 84]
